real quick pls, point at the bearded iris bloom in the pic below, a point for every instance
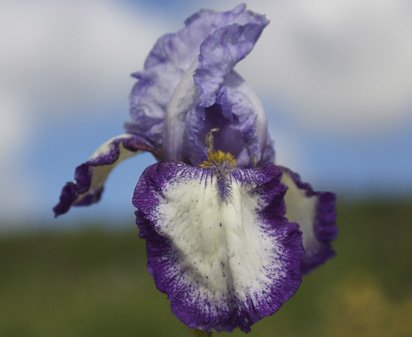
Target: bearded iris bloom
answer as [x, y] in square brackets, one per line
[229, 233]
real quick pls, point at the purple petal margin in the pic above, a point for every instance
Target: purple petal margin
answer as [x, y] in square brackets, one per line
[81, 192]
[325, 228]
[165, 262]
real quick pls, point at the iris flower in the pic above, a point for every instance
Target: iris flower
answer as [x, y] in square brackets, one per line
[229, 233]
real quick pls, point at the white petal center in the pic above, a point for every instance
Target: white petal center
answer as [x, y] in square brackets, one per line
[223, 244]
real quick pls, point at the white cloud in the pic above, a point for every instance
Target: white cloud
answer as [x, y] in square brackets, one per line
[345, 65]
[17, 197]
[59, 55]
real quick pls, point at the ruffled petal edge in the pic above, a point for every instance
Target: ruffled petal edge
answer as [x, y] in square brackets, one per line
[190, 299]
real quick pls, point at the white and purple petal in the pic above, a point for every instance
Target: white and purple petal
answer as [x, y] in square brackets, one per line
[315, 212]
[225, 255]
[91, 175]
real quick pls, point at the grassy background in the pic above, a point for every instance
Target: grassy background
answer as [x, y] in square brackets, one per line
[93, 283]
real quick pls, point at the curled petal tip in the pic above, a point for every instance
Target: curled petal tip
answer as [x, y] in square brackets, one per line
[90, 176]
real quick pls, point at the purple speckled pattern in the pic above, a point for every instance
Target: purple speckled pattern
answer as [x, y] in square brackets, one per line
[218, 40]
[170, 270]
[324, 224]
[81, 192]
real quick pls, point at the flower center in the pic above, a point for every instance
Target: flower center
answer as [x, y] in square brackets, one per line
[219, 158]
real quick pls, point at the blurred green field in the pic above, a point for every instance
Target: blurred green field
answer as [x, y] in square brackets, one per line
[94, 283]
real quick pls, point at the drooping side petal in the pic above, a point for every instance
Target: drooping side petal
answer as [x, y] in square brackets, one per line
[315, 212]
[218, 245]
[166, 65]
[91, 175]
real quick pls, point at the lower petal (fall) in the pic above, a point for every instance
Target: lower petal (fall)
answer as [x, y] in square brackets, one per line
[218, 243]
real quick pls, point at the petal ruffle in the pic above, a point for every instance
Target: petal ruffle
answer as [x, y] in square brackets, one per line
[225, 259]
[221, 51]
[91, 175]
[239, 117]
[167, 63]
[315, 212]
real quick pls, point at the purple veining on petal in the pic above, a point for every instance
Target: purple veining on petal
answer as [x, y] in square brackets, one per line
[167, 63]
[191, 294]
[224, 186]
[90, 176]
[324, 224]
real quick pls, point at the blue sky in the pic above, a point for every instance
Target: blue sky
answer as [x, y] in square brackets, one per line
[343, 123]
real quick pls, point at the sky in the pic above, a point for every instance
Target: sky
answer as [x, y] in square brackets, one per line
[335, 78]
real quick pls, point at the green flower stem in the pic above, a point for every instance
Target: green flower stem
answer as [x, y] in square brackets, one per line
[199, 333]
